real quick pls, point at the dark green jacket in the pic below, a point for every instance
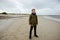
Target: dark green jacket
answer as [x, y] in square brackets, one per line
[33, 20]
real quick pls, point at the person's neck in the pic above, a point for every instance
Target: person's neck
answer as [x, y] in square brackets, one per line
[34, 13]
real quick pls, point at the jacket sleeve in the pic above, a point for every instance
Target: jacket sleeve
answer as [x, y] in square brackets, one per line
[30, 19]
[37, 19]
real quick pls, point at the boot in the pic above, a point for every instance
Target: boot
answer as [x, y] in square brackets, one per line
[29, 37]
[36, 35]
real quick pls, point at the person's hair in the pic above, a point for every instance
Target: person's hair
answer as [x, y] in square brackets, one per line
[33, 9]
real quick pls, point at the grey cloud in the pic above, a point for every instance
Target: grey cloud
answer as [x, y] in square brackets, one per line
[54, 5]
[41, 4]
[6, 4]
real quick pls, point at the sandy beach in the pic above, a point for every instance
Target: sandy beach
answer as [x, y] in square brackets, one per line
[19, 29]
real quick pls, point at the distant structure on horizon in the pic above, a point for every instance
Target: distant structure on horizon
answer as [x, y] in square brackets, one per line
[4, 13]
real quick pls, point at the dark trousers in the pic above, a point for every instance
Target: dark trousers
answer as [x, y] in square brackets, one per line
[31, 28]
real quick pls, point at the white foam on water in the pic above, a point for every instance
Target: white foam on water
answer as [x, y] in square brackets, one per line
[52, 18]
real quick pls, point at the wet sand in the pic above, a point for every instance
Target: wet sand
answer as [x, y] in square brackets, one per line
[19, 29]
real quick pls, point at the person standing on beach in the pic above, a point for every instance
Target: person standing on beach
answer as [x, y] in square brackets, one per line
[33, 21]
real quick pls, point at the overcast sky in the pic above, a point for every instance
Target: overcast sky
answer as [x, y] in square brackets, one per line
[24, 6]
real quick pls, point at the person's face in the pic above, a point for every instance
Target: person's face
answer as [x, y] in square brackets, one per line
[33, 11]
